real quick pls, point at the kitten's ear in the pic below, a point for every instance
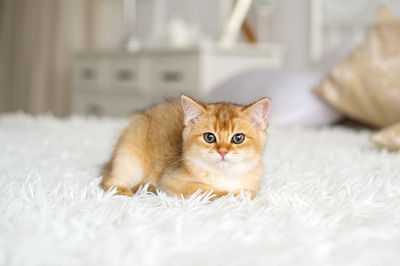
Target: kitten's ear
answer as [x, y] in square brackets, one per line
[258, 113]
[192, 110]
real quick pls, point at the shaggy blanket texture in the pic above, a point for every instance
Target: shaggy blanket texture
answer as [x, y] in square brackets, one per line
[329, 198]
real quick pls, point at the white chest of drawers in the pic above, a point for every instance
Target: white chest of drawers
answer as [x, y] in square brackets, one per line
[116, 83]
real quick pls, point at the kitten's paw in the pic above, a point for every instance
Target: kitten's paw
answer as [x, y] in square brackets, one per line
[124, 191]
[151, 188]
[218, 194]
[120, 190]
[252, 193]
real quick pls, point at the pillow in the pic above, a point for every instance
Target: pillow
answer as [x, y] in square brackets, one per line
[290, 91]
[366, 85]
[388, 137]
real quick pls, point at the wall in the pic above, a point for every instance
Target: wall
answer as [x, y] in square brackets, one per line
[291, 28]
[208, 14]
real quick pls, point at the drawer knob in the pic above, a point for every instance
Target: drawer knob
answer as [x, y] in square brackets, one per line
[171, 76]
[125, 75]
[88, 73]
[94, 109]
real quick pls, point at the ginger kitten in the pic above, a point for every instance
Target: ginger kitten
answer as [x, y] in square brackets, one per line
[182, 147]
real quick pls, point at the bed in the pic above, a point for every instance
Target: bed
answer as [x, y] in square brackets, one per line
[329, 197]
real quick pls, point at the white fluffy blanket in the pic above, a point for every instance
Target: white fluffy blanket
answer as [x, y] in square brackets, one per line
[329, 198]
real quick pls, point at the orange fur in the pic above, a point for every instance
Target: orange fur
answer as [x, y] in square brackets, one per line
[165, 146]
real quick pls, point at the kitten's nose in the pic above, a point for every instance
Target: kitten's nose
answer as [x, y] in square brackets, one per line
[222, 153]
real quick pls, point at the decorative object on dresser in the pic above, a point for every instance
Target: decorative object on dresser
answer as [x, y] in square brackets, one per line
[116, 83]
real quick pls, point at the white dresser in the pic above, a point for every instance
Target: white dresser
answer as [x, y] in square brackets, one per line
[116, 83]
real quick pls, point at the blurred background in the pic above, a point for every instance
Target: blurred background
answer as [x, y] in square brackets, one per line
[110, 57]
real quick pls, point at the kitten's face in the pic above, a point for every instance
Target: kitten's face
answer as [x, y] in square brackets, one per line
[224, 137]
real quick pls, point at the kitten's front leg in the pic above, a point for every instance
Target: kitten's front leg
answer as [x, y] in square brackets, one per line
[119, 190]
[189, 189]
[186, 189]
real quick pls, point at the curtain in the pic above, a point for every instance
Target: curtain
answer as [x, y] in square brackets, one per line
[37, 41]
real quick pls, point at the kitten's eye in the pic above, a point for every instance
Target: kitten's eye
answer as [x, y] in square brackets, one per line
[209, 137]
[238, 138]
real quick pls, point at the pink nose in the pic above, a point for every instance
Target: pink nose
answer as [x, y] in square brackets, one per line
[222, 153]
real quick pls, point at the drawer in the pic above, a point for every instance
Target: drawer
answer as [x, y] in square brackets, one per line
[89, 73]
[111, 106]
[173, 75]
[124, 74]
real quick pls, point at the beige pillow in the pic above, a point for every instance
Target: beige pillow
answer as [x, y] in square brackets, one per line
[388, 137]
[366, 85]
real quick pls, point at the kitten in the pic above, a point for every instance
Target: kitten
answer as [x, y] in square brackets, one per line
[183, 147]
